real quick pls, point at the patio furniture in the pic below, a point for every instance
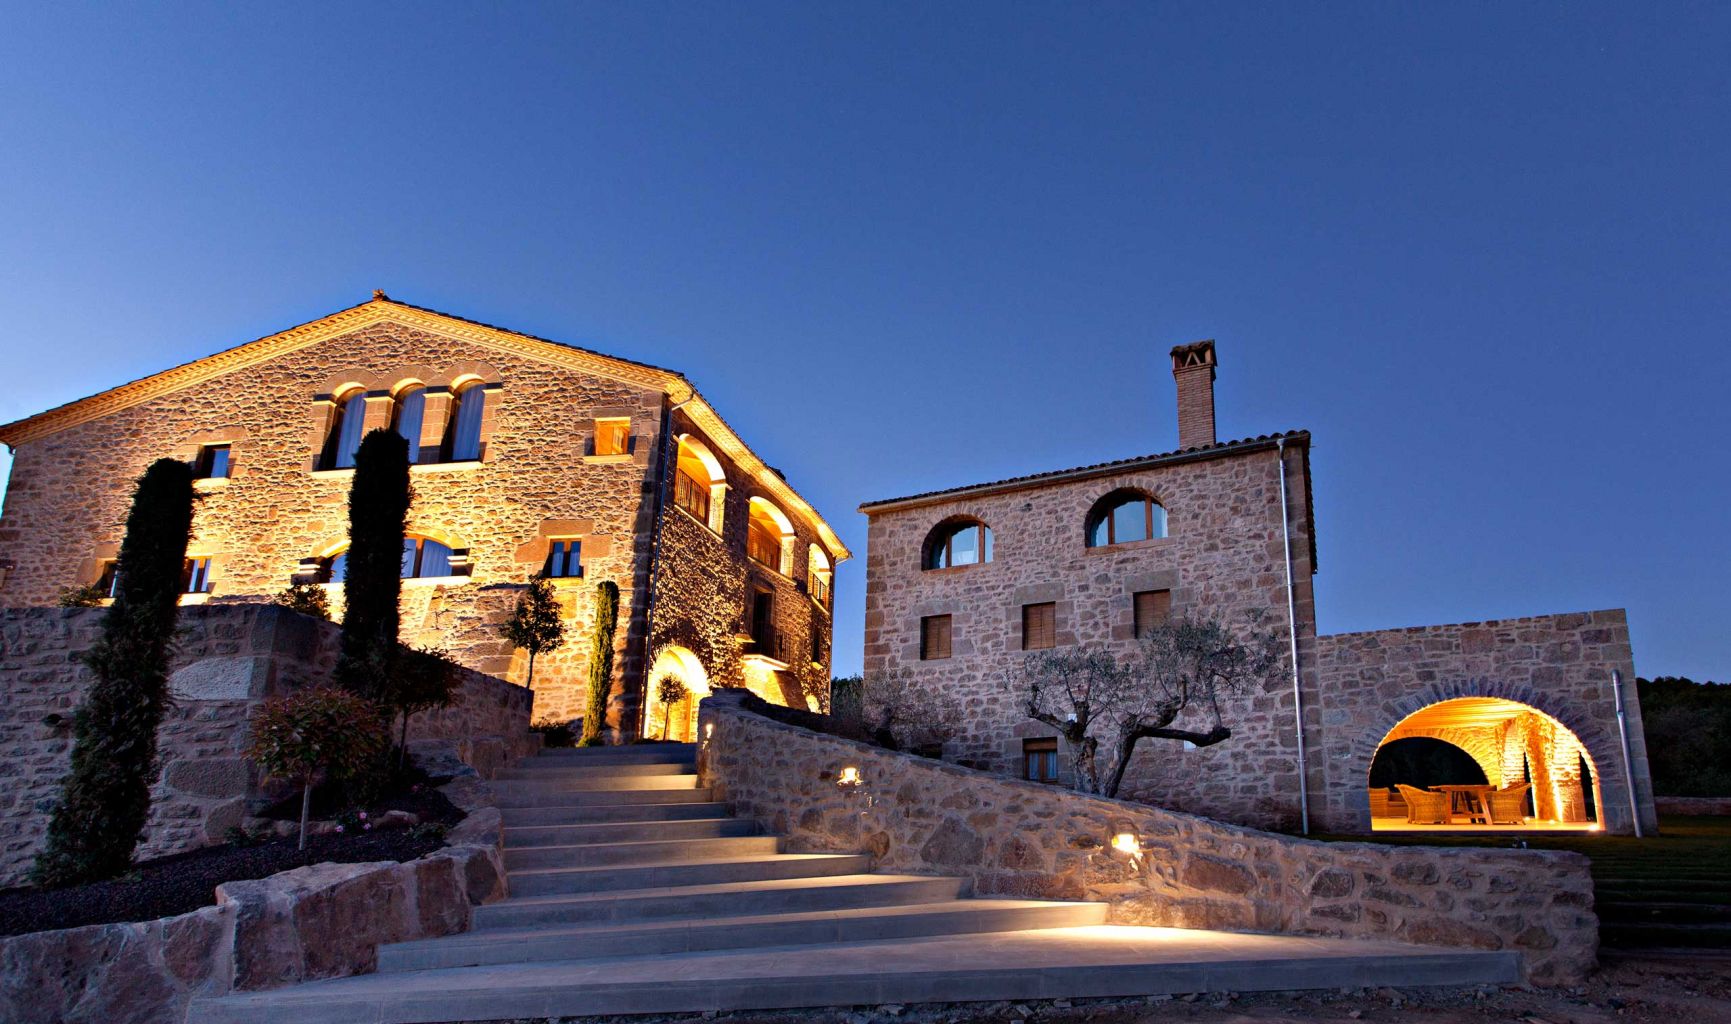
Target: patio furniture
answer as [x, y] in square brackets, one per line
[1469, 800]
[1379, 803]
[1424, 808]
[1509, 806]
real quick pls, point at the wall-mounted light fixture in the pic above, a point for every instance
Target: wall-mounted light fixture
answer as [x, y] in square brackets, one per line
[1127, 844]
[848, 778]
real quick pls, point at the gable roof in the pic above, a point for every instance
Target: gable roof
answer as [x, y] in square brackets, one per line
[380, 309]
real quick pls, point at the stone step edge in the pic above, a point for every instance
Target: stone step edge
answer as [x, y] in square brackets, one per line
[626, 845]
[716, 888]
[682, 862]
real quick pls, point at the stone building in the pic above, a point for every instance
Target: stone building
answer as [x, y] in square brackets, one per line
[963, 582]
[528, 456]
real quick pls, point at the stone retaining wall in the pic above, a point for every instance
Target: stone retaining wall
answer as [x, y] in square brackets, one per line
[229, 658]
[1016, 838]
[322, 921]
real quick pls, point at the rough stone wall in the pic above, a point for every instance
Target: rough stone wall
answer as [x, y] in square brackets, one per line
[69, 491]
[1015, 838]
[229, 658]
[1222, 557]
[1558, 664]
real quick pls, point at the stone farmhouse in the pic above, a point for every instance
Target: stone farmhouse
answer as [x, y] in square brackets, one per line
[529, 456]
[961, 583]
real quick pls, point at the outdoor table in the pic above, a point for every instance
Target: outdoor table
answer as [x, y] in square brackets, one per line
[1463, 798]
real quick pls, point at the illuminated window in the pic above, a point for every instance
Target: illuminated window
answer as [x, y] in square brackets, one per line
[408, 413]
[1040, 760]
[334, 568]
[769, 537]
[934, 637]
[1124, 517]
[463, 435]
[1039, 626]
[698, 483]
[612, 437]
[108, 580]
[819, 576]
[195, 576]
[564, 559]
[424, 558]
[968, 542]
[1152, 608]
[344, 437]
[212, 462]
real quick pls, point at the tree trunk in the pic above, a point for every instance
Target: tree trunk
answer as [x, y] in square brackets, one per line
[306, 808]
[530, 682]
[403, 744]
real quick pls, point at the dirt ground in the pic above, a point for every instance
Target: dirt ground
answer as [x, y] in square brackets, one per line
[1651, 988]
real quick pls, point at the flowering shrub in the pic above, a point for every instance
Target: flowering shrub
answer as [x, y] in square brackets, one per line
[354, 822]
[322, 730]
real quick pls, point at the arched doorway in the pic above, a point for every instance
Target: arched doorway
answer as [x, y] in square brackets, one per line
[678, 721]
[1499, 763]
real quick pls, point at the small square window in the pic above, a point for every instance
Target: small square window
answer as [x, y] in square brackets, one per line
[1040, 760]
[612, 437]
[934, 637]
[1039, 626]
[108, 580]
[564, 559]
[195, 576]
[212, 462]
[1153, 607]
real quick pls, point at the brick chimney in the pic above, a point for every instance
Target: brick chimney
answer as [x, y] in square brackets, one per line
[1193, 369]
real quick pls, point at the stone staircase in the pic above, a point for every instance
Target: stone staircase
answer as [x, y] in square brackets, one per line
[633, 891]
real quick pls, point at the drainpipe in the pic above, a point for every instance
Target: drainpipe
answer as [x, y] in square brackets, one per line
[655, 555]
[1292, 633]
[1623, 735]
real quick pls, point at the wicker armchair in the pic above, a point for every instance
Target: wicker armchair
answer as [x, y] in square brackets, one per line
[1379, 803]
[1509, 806]
[1425, 808]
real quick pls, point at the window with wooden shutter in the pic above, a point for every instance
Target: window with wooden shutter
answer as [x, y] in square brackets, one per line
[934, 637]
[1039, 626]
[1153, 607]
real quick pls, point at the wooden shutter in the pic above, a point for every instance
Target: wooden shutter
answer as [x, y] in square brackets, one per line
[934, 637]
[1039, 626]
[1153, 607]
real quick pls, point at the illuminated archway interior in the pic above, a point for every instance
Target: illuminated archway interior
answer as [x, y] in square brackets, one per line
[678, 721]
[1511, 744]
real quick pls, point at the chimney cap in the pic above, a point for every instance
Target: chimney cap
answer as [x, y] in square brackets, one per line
[1195, 354]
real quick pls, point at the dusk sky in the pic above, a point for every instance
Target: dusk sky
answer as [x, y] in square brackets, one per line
[1480, 251]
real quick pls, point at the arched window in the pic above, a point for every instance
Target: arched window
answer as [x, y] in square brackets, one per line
[1123, 517]
[699, 486]
[958, 542]
[407, 415]
[463, 436]
[819, 577]
[334, 567]
[344, 437]
[769, 537]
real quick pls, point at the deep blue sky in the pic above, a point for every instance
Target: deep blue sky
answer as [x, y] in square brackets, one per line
[1480, 251]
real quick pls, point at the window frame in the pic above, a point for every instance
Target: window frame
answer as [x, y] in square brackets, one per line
[929, 637]
[471, 394]
[1045, 748]
[1138, 626]
[1104, 515]
[617, 431]
[573, 553]
[204, 464]
[941, 549]
[195, 575]
[1033, 630]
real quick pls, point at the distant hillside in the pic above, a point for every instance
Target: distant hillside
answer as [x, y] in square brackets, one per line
[1688, 735]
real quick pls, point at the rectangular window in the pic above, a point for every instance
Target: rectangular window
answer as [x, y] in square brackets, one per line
[1039, 626]
[763, 546]
[195, 576]
[1040, 760]
[760, 623]
[612, 437]
[692, 495]
[108, 581]
[1153, 607]
[819, 642]
[212, 462]
[934, 637]
[564, 560]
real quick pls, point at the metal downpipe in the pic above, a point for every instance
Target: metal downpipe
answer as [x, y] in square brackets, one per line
[1292, 634]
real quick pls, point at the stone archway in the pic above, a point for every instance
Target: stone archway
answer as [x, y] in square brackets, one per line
[677, 722]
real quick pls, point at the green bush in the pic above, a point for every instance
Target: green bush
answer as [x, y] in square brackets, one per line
[306, 598]
[88, 596]
[601, 661]
[322, 730]
[423, 679]
[105, 799]
[372, 586]
[535, 624]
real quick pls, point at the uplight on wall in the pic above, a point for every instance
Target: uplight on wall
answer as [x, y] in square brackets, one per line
[848, 778]
[1127, 844]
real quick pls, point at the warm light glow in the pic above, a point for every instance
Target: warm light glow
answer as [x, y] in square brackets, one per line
[849, 777]
[709, 730]
[1127, 843]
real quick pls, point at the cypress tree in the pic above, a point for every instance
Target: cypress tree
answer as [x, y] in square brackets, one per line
[378, 516]
[105, 800]
[601, 661]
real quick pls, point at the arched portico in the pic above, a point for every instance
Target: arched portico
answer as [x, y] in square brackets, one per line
[678, 721]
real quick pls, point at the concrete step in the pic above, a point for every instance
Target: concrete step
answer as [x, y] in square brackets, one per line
[600, 814]
[641, 753]
[537, 769]
[670, 873]
[1058, 963]
[628, 831]
[589, 855]
[534, 797]
[584, 782]
[732, 899]
[687, 935]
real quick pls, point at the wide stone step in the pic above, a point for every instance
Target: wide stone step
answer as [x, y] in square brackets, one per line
[687, 935]
[641, 753]
[1063, 963]
[506, 796]
[1665, 913]
[583, 782]
[564, 813]
[525, 858]
[733, 899]
[539, 770]
[627, 832]
[1665, 936]
[552, 881]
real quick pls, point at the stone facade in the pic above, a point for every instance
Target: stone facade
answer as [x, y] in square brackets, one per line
[539, 477]
[1024, 839]
[230, 657]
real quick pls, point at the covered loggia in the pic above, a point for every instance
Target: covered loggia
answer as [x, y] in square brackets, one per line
[676, 720]
[1482, 763]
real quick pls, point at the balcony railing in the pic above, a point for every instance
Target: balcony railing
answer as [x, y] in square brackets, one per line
[819, 589]
[692, 496]
[768, 642]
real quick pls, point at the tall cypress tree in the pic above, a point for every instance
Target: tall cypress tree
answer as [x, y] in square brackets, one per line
[378, 517]
[601, 661]
[105, 800]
